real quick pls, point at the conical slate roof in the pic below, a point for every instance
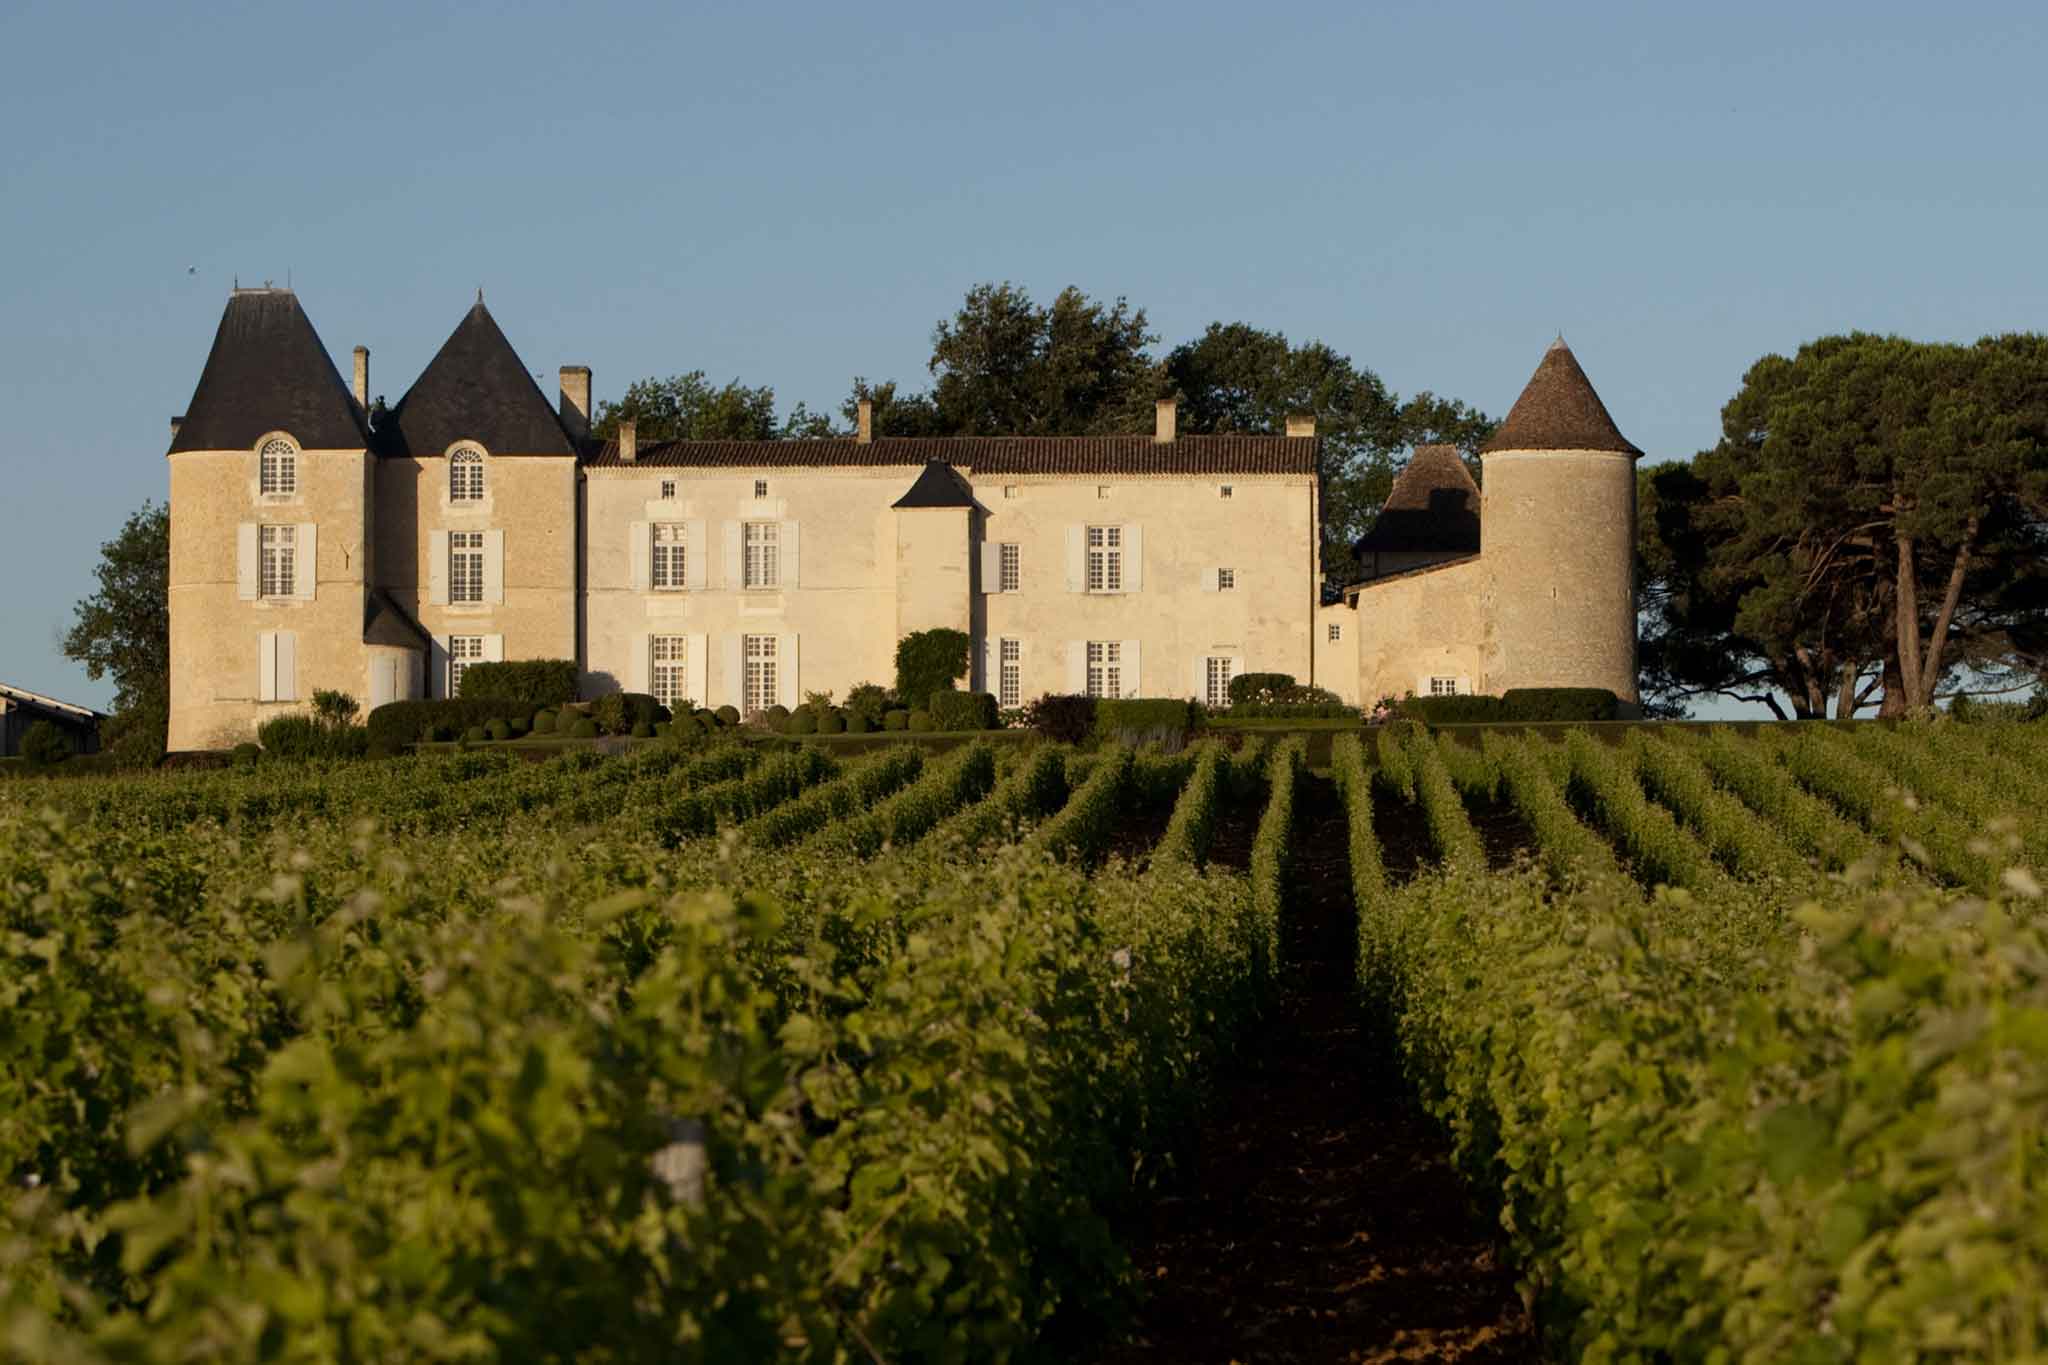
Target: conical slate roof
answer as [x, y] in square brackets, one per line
[1558, 410]
[1434, 506]
[268, 371]
[937, 486]
[475, 389]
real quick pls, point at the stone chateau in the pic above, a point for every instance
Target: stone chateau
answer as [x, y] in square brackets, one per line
[482, 522]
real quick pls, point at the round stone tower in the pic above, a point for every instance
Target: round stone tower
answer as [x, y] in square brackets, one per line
[1558, 530]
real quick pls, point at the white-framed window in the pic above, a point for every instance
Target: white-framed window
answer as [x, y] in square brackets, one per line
[1105, 668]
[1010, 673]
[463, 650]
[759, 690]
[465, 567]
[1105, 559]
[1226, 580]
[668, 668]
[760, 488]
[1336, 632]
[1217, 674]
[466, 475]
[762, 567]
[277, 468]
[668, 490]
[1223, 490]
[1443, 687]
[1009, 561]
[670, 544]
[276, 566]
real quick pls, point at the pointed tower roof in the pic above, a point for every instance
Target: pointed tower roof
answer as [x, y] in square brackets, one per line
[1434, 506]
[937, 486]
[268, 371]
[476, 389]
[1558, 410]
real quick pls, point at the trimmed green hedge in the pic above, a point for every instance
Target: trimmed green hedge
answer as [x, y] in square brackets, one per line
[1259, 687]
[405, 722]
[1141, 720]
[1516, 706]
[540, 682]
[956, 710]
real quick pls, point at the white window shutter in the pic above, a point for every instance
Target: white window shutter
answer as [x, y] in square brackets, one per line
[639, 670]
[1134, 558]
[787, 558]
[1133, 675]
[1077, 559]
[494, 566]
[694, 565]
[697, 667]
[245, 561]
[1464, 687]
[437, 572]
[1077, 666]
[733, 578]
[494, 649]
[287, 667]
[1212, 580]
[1236, 664]
[639, 555]
[991, 566]
[786, 671]
[732, 680]
[305, 561]
[266, 665]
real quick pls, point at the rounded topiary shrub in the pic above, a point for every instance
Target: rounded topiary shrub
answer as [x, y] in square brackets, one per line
[803, 722]
[643, 730]
[519, 726]
[857, 723]
[895, 720]
[663, 729]
[497, 730]
[728, 715]
[245, 754]
[475, 734]
[586, 728]
[832, 722]
[543, 722]
[920, 719]
[773, 716]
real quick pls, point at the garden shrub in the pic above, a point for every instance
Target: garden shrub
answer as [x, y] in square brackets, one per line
[300, 736]
[772, 716]
[1143, 720]
[399, 723]
[665, 728]
[497, 730]
[896, 720]
[1292, 710]
[520, 727]
[44, 745]
[921, 720]
[585, 728]
[642, 730]
[1259, 687]
[1559, 703]
[955, 710]
[728, 715]
[868, 701]
[542, 682]
[1461, 710]
[860, 724]
[475, 734]
[927, 661]
[1065, 718]
[612, 713]
[802, 721]
[245, 754]
[543, 722]
[831, 721]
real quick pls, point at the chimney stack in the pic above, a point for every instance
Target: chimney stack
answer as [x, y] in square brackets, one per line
[1163, 432]
[363, 378]
[1301, 424]
[629, 441]
[866, 410]
[177, 423]
[576, 400]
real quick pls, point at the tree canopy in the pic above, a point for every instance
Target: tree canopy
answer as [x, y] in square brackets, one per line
[688, 407]
[123, 632]
[1869, 527]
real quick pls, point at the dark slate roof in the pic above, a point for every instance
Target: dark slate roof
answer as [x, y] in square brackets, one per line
[992, 455]
[475, 389]
[1558, 410]
[385, 623]
[268, 371]
[1434, 506]
[937, 486]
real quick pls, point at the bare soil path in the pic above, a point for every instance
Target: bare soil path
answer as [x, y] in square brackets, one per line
[1323, 1222]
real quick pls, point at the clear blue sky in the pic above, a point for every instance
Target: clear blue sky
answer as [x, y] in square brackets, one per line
[793, 194]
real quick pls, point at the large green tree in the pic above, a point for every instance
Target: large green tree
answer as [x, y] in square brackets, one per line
[123, 631]
[1870, 524]
[688, 407]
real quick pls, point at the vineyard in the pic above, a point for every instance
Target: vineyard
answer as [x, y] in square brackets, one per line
[1720, 1048]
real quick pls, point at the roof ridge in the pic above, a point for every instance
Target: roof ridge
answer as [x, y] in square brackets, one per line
[1558, 410]
[268, 370]
[477, 388]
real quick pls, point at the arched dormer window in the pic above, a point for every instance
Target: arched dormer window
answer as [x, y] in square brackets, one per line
[277, 466]
[466, 474]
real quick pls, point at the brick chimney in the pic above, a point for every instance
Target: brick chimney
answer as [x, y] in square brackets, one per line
[866, 419]
[1301, 424]
[1164, 429]
[363, 378]
[629, 441]
[576, 400]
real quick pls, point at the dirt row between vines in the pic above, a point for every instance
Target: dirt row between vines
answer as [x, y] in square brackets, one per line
[1323, 1221]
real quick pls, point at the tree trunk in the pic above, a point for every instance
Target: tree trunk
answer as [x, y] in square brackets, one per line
[1906, 630]
[1845, 697]
[1895, 702]
[1930, 666]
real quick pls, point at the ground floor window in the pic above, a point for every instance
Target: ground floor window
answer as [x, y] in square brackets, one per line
[668, 668]
[1105, 668]
[760, 691]
[1219, 674]
[463, 650]
[1010, 673]
[1443, 687]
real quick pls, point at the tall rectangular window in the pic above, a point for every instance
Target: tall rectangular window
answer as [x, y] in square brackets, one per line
[760, 488]
[465, 566]
[1105, 559]
[1010, 673]
[463, 650]
[277, 468]
[760, 689]
[668, 490]
[670, 541]
[1443, 687]
[279, 546]
[668, 668]
[1226, 580]
[1105, 668]
[763, 555]
[1218, 690]
[1010, 574]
